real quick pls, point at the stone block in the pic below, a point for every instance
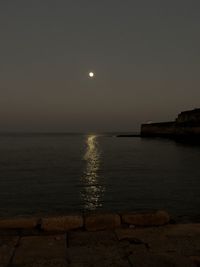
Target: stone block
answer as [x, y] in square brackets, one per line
[18, 223]
[146, 219]
[96, 222]
[62, 223]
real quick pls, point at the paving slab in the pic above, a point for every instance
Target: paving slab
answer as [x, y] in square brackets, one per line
[100, 256]
[185, 238]
[160, 260]
[146, 219]
[131, 249]
[196, 260]
[145, 236]
[43, 263]
[131, 233]
[179, 230]
[62, 223]
[90, 239]
[100, 248]
[170, 245]
[102, 221]
[7, 247]
[182, 240]
[37, 249]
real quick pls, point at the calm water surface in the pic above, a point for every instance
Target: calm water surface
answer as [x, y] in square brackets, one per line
[64, 173]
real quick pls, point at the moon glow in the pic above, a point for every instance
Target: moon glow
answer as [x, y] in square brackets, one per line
[91, 74]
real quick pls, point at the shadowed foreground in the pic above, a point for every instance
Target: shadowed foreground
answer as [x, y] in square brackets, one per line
[169, 245]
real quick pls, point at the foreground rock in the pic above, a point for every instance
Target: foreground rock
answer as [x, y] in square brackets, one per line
[181, 239]
[96, 222]
[18, 223]
[62, 223]
[41, 251]
[146, 219]
[97, 256]
[91, 239]
[7, 247]
[165, 246]
[195, 260]
[159, 260]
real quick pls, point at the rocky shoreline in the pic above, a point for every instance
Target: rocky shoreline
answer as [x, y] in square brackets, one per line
[185, 127]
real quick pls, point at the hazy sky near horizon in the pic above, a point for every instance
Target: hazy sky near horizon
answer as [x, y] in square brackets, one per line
[145, 54]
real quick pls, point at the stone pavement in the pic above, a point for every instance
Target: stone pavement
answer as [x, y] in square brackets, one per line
[170, 245]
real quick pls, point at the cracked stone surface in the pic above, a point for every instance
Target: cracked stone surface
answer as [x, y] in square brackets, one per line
[40, 250]
[43, 263]
[171, 245]
[96, 249]
[181, 239]
[97, 256]
[159, 260]
[7, 247]
[106, 238]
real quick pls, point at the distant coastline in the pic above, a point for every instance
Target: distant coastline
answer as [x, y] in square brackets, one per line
[186, 125]
[128, 135]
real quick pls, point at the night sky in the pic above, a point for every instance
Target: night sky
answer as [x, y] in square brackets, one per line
[145, 55]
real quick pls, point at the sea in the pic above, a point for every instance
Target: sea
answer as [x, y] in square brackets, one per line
[68, 173]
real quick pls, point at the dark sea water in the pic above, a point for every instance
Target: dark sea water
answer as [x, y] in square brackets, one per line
[52, 173]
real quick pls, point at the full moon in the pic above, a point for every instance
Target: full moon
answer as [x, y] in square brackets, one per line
[91, 74]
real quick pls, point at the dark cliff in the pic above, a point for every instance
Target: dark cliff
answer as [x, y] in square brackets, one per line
[187, 124]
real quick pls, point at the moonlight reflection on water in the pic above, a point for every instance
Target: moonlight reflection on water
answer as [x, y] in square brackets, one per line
[93, 190]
